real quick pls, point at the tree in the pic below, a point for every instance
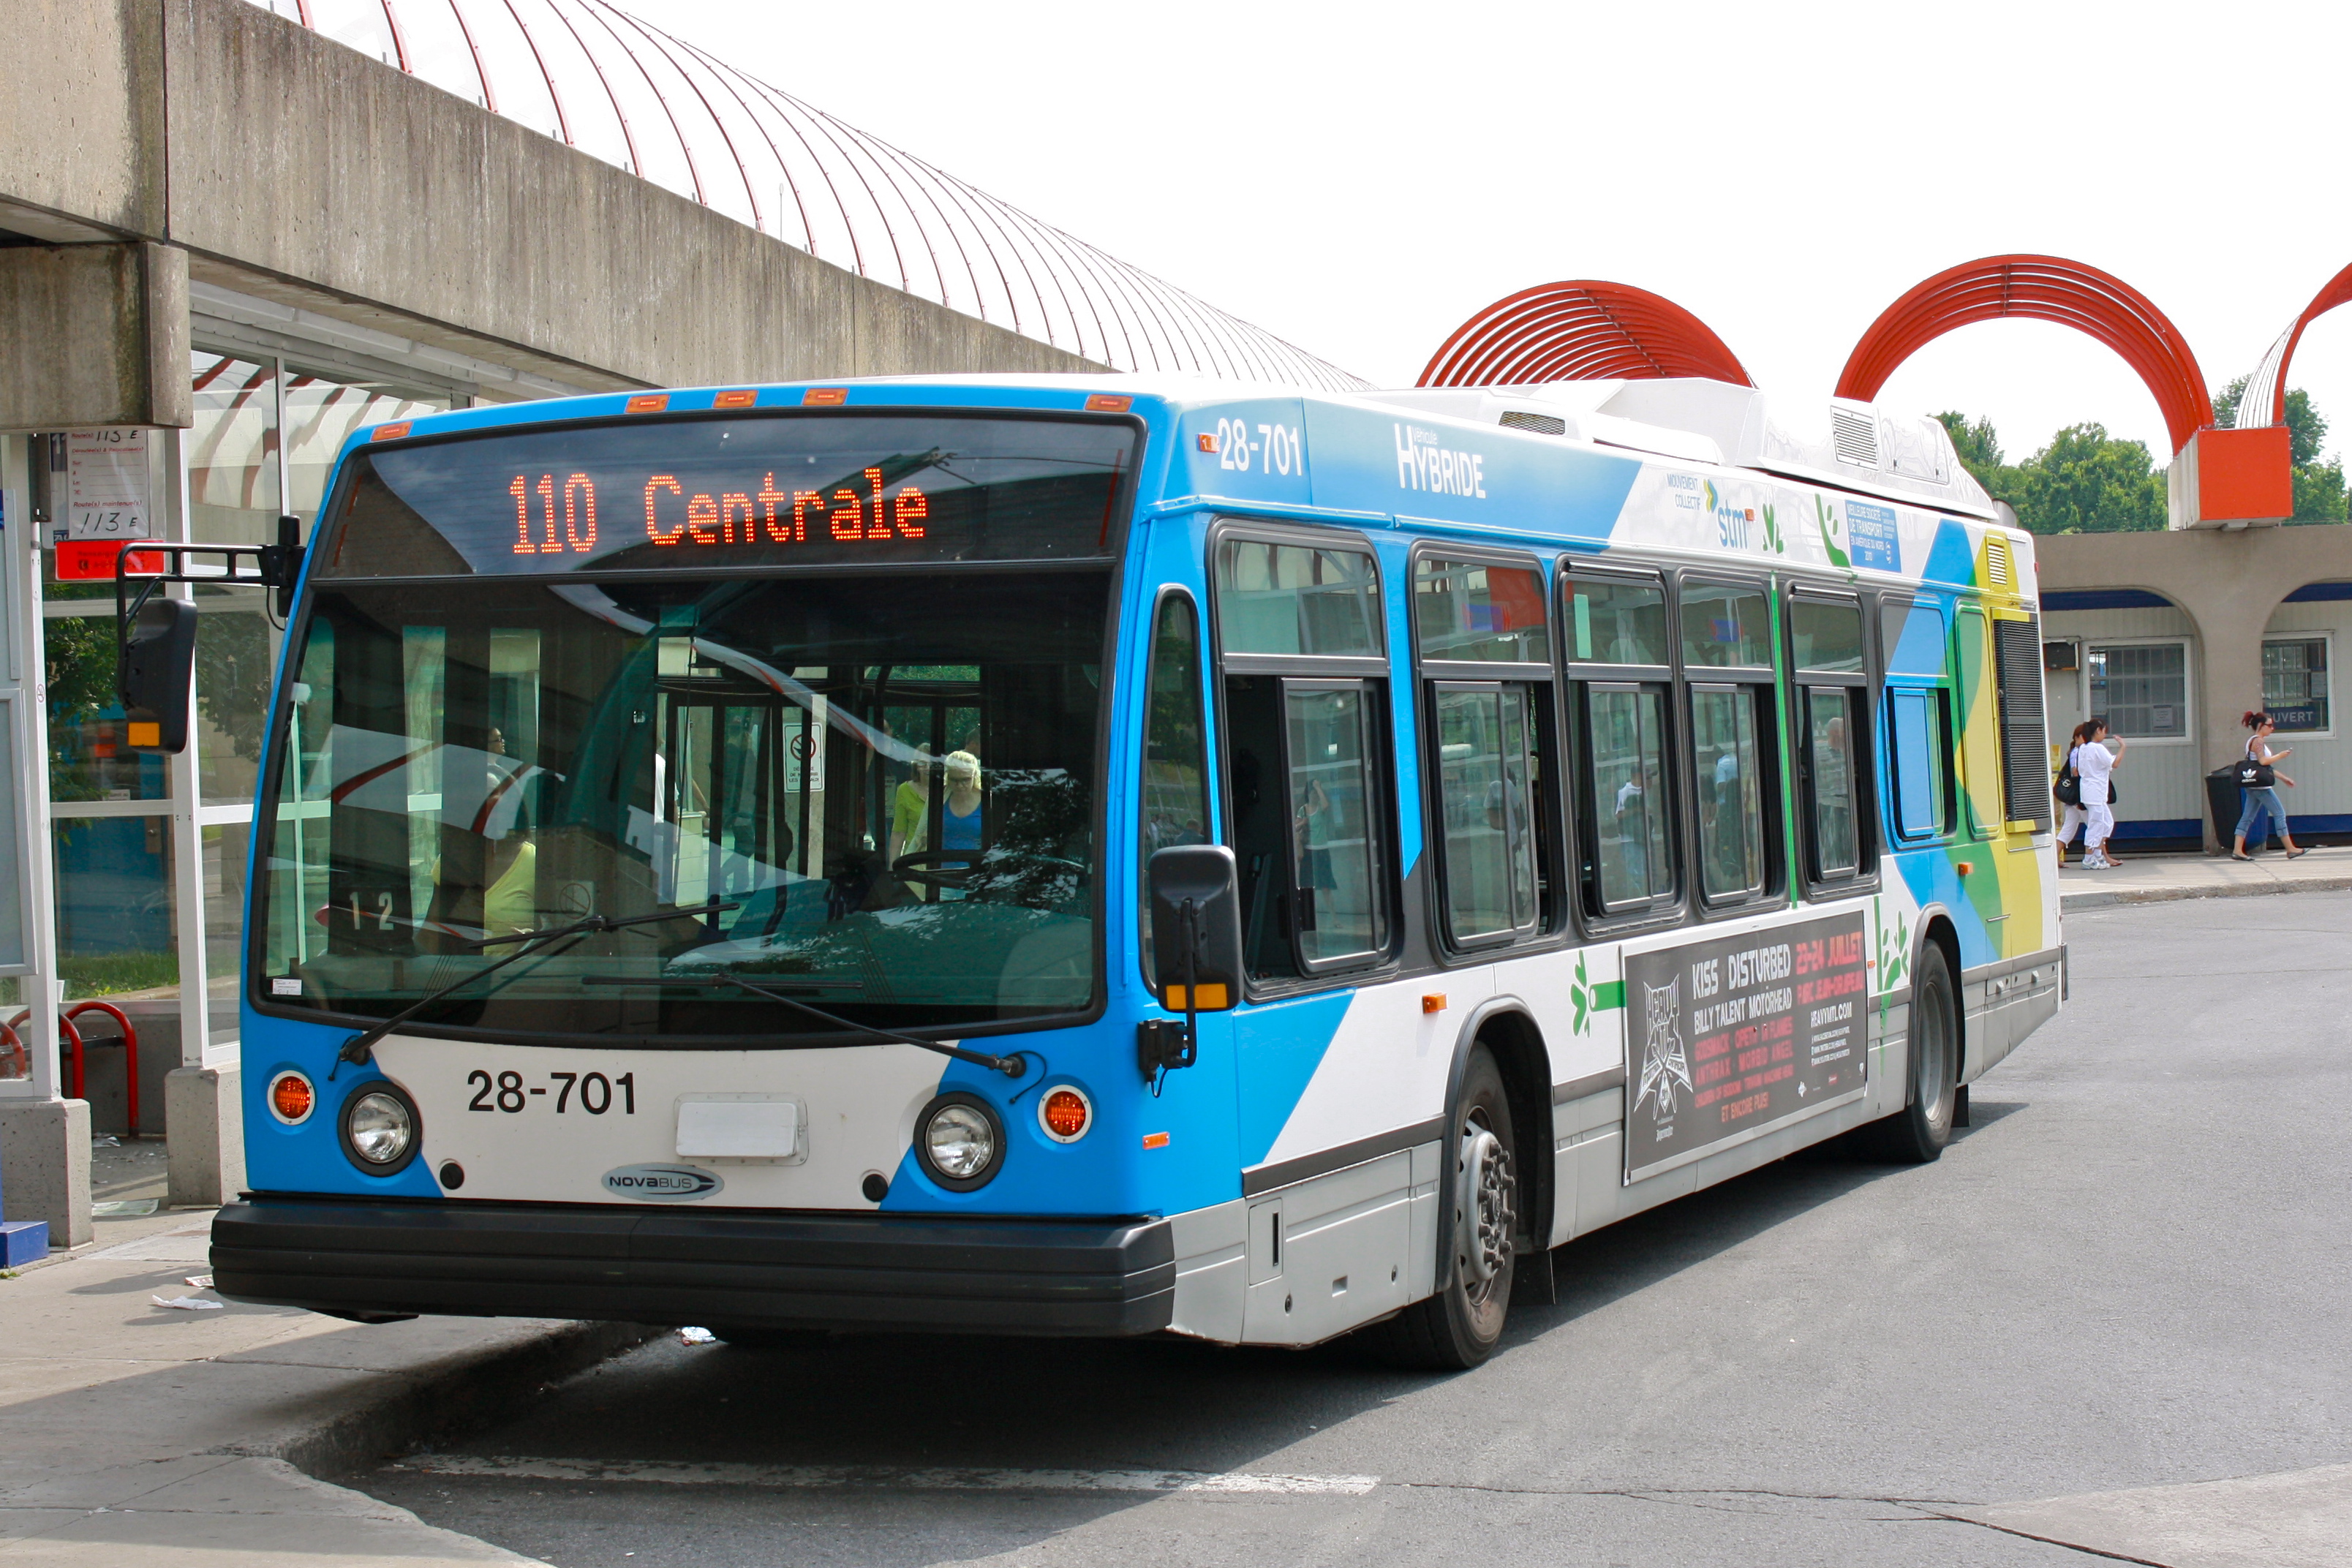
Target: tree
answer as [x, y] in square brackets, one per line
[1979, 446]
[1980, 455]
[2086, 482]
[2318, 485]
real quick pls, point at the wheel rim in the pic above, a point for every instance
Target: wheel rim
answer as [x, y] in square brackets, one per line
[1485, 1214]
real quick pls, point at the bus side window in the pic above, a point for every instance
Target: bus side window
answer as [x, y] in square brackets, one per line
[1483, 637]
[1174, 808]
[1486, 775]
[1302, 654]
[1338, 912]
[1828, 722]
[1727, 655]
[1615, 636]
[1919, 755]
[1830, 712]
[1980, 724]
[1631, 816]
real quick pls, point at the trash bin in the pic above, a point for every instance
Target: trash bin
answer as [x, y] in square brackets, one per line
[2221, 800]
[2224, 799]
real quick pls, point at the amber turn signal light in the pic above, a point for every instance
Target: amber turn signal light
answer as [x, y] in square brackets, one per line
[292, 1097]
[1064, 1113]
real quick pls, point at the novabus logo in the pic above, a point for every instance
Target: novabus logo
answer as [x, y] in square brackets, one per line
[662, 1184]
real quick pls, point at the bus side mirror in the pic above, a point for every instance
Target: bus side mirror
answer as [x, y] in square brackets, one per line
[1196, 951]
[158, 657]
[1196, 928]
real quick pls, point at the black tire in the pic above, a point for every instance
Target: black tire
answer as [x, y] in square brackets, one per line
[1920, 1130]
[1459, 1327]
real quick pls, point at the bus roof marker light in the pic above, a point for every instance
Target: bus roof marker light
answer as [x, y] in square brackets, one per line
[742, 398]
[391, 432]
[1109, 403]
[649, 403]
[1064, 1113]
[824, 397]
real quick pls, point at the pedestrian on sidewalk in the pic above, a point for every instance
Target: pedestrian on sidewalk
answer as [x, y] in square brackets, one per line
[2091, 762]
[2257, 775]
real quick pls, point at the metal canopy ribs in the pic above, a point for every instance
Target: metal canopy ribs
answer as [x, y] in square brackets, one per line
[2264, 402]
[1581, 330]
[2042, 288]
[593, 77]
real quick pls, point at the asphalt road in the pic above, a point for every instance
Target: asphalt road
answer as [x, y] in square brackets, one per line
[2133, 1271]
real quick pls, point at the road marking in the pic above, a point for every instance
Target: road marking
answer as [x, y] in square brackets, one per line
[679, 1473]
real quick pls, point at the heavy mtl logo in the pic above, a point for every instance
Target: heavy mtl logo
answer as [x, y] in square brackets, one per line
[1664, 1065]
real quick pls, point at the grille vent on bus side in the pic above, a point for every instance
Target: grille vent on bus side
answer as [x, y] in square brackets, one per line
[1541, 424]
[1853, 438]
[1999, 571]
[2024, 744]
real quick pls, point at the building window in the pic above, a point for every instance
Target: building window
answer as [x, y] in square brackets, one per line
[2141, 691]
[2295, 683]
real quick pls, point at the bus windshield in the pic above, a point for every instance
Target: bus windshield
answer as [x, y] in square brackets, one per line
[890, 777]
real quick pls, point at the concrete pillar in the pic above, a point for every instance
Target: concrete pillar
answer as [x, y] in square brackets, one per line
[45, 1165]
[205, 1109]
[94, 335]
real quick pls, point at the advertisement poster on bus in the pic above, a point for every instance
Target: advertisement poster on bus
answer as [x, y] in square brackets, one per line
[1728, 1036]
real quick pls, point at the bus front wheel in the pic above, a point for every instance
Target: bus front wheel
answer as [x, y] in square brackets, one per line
[1459, 1327]
[1918, 1132]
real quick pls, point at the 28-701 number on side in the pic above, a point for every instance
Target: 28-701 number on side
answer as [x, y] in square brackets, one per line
[596, 1091]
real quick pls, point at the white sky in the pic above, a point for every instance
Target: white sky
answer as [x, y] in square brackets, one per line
[1361, 178]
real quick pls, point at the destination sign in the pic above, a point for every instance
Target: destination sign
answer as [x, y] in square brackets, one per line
[828, 490]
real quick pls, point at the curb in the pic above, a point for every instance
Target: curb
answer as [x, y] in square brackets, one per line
[2104, 897]
[447, 1397]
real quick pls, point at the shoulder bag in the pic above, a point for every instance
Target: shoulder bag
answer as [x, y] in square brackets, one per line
[2069, 787]
[2253, 774]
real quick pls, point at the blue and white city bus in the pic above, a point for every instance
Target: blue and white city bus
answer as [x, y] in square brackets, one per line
[1037, 855]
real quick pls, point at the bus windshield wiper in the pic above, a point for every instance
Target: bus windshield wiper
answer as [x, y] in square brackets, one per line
[358, 1050]
[1010, 1067]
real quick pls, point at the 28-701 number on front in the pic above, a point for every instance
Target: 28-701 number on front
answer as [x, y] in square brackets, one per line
[595, 1093]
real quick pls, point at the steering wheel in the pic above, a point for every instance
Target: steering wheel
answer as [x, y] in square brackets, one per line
[920, 867]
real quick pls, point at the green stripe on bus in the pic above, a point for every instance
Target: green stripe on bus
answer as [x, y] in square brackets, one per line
[1608, 993]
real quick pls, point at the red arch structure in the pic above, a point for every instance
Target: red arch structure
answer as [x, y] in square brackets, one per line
[2039, 289]
[1581, 329]
[2266, 388]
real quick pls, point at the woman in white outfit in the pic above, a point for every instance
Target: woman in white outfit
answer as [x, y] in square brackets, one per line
[2087, 754]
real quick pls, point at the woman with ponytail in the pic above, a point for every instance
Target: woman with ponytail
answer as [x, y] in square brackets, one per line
[2256, 776]
[2088, 758]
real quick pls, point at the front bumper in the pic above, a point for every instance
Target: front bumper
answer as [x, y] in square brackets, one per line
[748, 1267]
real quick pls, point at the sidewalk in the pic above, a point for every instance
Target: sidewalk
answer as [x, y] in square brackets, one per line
[2158, 878]
[143, 1435]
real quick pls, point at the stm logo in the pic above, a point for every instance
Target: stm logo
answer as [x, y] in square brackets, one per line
[1423, 465]
[1734, 525]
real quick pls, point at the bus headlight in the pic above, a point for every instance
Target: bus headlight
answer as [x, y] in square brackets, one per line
[380, 1129]
[958, 1141]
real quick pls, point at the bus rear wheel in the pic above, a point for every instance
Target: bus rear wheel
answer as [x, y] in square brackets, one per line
[1459, 1327]
[1920, 1131]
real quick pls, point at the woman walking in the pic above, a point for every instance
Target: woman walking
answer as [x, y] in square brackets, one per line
[2087, 754]
[2261, 798]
